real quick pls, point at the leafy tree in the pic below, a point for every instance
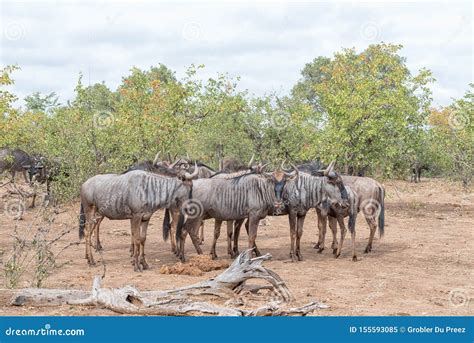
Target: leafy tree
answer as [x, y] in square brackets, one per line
[371, 106]
[38, 103]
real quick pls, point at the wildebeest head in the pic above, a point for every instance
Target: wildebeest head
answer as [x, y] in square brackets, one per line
[280, 177]
[36, 170]
[334, 188]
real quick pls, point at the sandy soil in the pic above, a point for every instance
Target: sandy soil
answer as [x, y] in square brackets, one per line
[422, 266]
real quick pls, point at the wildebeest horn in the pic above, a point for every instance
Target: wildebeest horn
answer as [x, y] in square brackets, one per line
[187, 157]
[295, 172]
[157, 156]
[251, 161]
[194, 174]
[172, 165]
[330, 168]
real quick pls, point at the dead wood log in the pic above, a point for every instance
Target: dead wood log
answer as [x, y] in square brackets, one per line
[226, 289]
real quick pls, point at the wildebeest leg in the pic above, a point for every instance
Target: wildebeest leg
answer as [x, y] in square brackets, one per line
[194, 234]
[252, 231]
[174, 222]
[143, 230]
[98, 246]
[340, 220]
[373, 227]
[323, 221]
[135, 228]
[190, 227]
[25, 177]
[217, 232]
[318, 213]
[299, 234]
[201, 233]
[237, 226]
[292, 221]
[89, 213]
[333, 226]
[230, 232]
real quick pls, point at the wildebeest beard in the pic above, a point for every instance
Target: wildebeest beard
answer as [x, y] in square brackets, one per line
[343, 190]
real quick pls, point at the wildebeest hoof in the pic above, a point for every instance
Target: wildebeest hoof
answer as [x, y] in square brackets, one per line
[91, 263]
[354, 258]
[300, 257]
[334, 251]
[320, 250]
[316, 246]
[214, 256]
[367, 250]
[337, 255]
[145, 265]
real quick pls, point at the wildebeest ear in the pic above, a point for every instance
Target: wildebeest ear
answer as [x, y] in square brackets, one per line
[332, 174]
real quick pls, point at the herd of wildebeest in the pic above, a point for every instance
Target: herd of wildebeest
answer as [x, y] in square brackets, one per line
[191, 192]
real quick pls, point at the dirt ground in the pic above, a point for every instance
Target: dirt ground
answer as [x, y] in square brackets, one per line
[422, 266]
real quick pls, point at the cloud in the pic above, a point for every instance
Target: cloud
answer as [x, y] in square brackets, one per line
[267, 44]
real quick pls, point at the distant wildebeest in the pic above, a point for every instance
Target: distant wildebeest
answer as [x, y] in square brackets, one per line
[370, 198]
[45, 170]
[247, 196]
[305, 192]
[416, 169]
[15, 160]
[135, 195]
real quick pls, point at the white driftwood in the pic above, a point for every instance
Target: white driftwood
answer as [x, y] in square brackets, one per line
[190, 300]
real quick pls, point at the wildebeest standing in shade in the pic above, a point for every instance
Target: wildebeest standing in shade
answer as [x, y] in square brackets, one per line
[248, 196]
[15, 160]
[304, 192]
[135, 195]
[416, 169]
[370, 198]
[45, 171]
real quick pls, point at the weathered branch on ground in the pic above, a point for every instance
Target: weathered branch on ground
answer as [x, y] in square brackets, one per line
[226, 291]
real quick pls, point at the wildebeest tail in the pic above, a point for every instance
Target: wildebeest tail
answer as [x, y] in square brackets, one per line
[179, 227]
[166, 225]
[382, 211]
[352, 215]
[82, 222]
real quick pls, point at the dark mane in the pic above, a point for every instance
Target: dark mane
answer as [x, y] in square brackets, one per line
[236, 179]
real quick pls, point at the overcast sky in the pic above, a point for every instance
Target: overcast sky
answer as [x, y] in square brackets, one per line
[266, 44]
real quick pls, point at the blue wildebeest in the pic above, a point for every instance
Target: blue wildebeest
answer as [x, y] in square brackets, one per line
[416, 169]
[369, 196]
[304, 192]
[228, 166]
[135, 195]
[15, 160]
[247, 196]
[156, 167]
[233, 227]
[45, 170]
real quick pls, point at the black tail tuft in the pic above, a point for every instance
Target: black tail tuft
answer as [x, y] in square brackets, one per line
[382, 211]
[166, 225]
[82, 222]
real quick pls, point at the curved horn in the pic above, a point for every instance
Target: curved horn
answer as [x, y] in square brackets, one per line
[295, 172]
[282, 164]
[251, 161]
[157, 156]
[261, 167]
[172, 165]
[330, 168]
[194, 174]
